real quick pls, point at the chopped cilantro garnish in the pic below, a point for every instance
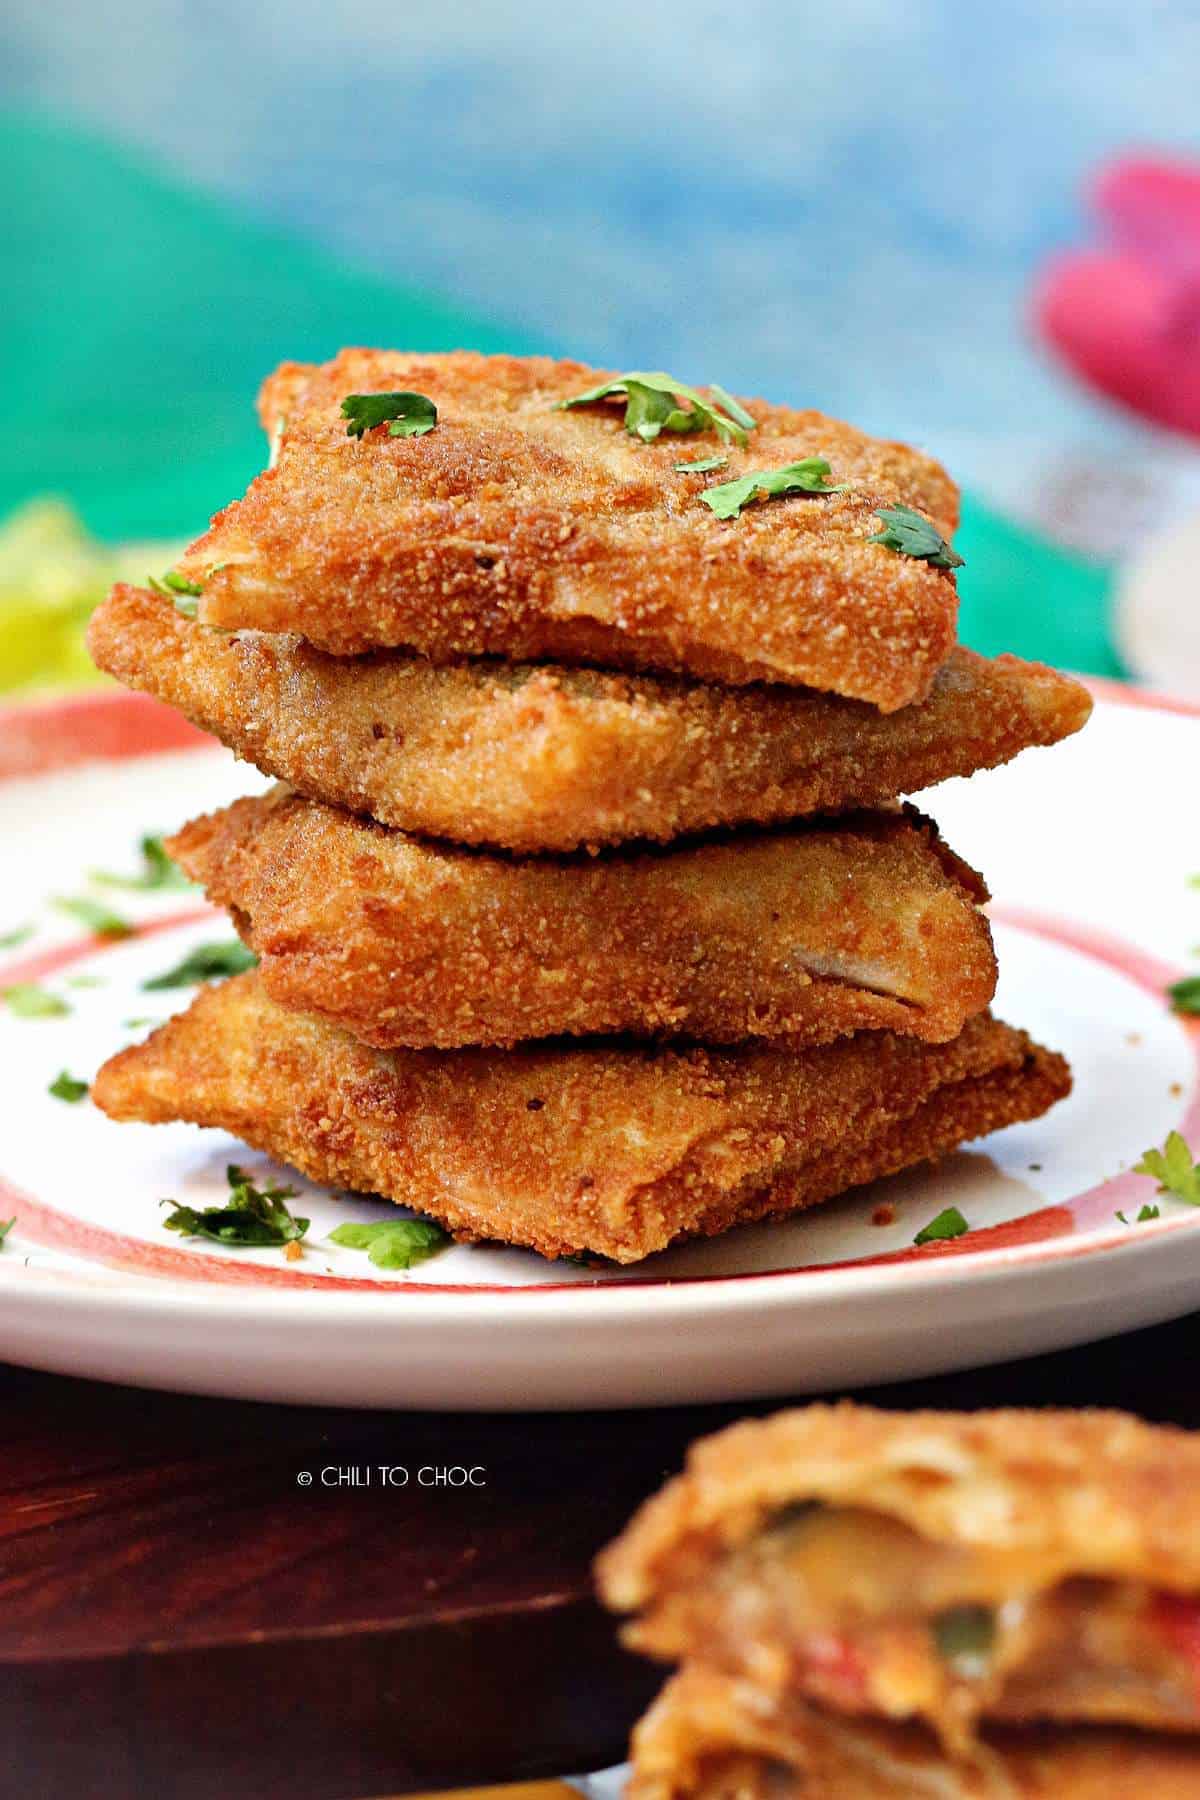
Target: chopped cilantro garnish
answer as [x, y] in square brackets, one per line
[157, 871]
[652, 405]
[406, 415]
[1147, 1212]
[174, 584]
[393, 1243]
[179, 590]
[964, 1636]
[1185, 995]
[252, 1217]
[85, 981]
[948, 1224]
[67, 1087]
[19, 935]
[96, 916]
[6, 1226]
[702, 467]
[911, 534]
[28, 1001]
[207, 962]
[137, 1024]
[808, 477]
[1174, 1168]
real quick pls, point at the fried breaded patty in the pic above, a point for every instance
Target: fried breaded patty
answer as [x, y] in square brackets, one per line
[808, 933]
[517, 530]
[954, 1568]
[606, 1149]
[706, 1739]
[544, 758]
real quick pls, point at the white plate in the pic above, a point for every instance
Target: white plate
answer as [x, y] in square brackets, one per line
[1087, 849]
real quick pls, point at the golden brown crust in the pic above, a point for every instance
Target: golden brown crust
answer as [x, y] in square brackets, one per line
[611, 1150]
[705, 1738]
[808, 934]
[517, 530]
[544, 758]
[1108, 1494]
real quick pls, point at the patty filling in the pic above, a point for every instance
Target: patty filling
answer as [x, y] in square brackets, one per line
[855, 1610]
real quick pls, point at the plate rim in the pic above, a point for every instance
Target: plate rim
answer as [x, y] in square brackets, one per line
[115, 724]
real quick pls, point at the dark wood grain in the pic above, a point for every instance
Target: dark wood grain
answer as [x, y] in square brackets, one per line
[179, 1615]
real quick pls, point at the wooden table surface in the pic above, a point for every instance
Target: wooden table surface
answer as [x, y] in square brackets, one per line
[182, 1614]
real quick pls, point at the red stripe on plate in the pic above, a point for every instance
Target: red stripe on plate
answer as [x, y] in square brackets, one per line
[114, 725]
[44, 736]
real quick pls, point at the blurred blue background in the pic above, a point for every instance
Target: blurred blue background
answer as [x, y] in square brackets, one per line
[838, 204]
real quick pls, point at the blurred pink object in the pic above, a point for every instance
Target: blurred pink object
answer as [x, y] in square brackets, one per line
[1127, 318]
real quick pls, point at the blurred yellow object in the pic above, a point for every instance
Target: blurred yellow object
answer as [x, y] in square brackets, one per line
[52, 573]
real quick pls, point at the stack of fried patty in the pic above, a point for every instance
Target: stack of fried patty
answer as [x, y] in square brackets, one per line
[588, 918]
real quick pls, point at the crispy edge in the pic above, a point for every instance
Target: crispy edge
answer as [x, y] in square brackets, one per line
[705, 1738]
[407, 944]
[609, 1150]
[517, 530]
[1113, 1495]
[552, 759]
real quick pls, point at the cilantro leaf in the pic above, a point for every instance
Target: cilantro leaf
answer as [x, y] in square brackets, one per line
[254, 1218]
[1146, 1212]
[158, 871]
[734, 408]
[1174, 1168]
[28, 1001]
[6, 1226]
[948, 1224]
[19, 935]
[702, 467]
[808, 477]
[207, 962]
[406, 415]
[179, 589]
[96, 916]
[652, 406]
[1185, 995]
[911, 534]
[67, 1087]
[393, 1243]
[174, 585]
[85, 981]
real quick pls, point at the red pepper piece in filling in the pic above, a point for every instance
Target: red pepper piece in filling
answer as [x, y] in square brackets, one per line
[830, 1668]
[1177, 1617]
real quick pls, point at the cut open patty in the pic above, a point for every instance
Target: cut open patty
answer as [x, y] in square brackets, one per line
[705, 1738]
[1006, 1567]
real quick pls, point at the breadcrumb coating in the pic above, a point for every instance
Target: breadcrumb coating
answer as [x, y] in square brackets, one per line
[608, 1149]
[514, 529]
[809, 933]
[705, 1738]
[533, 757]
[1109, 1494]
